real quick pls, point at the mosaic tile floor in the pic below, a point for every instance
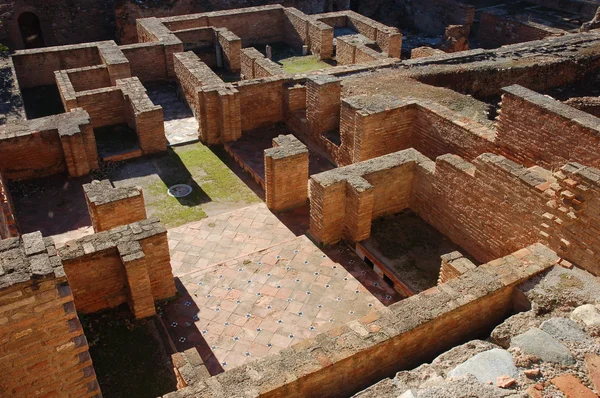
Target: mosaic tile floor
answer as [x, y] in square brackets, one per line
[180, 124]
[201, 244]
[269, 300]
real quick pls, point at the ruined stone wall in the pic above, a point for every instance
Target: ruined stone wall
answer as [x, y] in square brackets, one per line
[42, 346]
[98, 267]
[261, 101]
[536, 130]
[8, 221]
[497, 30]
[340, 362]
[574, 58]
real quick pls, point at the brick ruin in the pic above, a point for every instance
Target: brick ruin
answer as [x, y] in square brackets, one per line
[494, 149]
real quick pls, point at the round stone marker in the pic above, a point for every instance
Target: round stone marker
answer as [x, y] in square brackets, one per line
[179, 190]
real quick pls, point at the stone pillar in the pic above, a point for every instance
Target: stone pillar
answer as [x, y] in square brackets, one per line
[323, 100]
[140, 297]
[286, 173]
[269, 52]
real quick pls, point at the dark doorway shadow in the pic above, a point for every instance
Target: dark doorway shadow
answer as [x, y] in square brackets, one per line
[132, 358]
[31, 30]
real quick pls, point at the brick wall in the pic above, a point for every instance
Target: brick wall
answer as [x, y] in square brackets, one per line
[231, 46]
[98, 268]
[143, 116]
[261, 102]
[322, 104]
[106, 106]
[255, 65]
[340, 362]
[89, 78]
[490, 207]
[432, 129]
[110, 207]
[296, 28]
[8, 221]
[197, 38]
[147, 60]
[36, 67]
[570, 225]
[43, 351]
[497, 30]
[536, 130]
[191, 75]
[286, 173]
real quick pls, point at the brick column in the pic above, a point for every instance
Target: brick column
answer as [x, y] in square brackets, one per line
[359, 209]
[286, 173]
[75, 154]
[323, 99]
[140, 297]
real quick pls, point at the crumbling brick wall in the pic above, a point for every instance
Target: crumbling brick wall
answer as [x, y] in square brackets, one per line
[42, 346]
[536, 130]
[98, 268]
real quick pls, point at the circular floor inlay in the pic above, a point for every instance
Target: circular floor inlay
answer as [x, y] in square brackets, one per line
[179, 190]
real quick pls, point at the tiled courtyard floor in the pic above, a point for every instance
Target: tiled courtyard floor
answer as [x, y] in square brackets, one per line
[249, 307]
[199, 245]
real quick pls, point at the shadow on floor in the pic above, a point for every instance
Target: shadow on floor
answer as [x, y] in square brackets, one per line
[168, 166]
[131, 357]
[52, 205]
[179, 317]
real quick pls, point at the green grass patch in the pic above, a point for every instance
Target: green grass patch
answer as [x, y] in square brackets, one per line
[208, 175]
[304, 64]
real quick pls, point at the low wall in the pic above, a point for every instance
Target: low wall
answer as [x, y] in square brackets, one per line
[191, 75]
[50, 145]
[104, 269]
[148, 61]
[402, 336]
[8, 222]
[534, 129]
[40, 329]
[368, 121]
[261, 101]
[254, 65]
[110, 207]
[231, 46]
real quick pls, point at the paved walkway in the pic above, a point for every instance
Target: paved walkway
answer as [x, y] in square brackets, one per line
[180, 124]
[199, 245]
